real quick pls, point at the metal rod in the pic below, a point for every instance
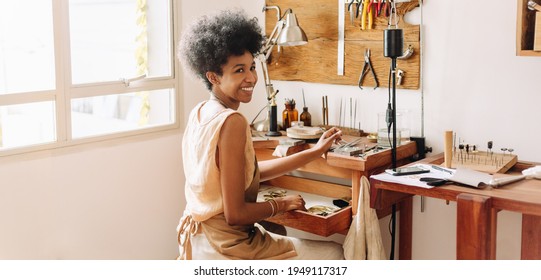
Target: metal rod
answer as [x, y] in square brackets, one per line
[393, 150]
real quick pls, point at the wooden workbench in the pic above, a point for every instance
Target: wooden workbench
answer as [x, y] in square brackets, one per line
[476, 212]
[349, 168]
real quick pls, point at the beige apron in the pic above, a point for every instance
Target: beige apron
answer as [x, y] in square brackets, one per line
[248, 242]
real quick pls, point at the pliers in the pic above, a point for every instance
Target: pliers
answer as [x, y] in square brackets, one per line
[352, 13]
[367, 66]
[386, 7]
[366, 15]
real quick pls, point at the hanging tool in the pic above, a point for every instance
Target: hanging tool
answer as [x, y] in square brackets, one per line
[364, 14]
[379, 6]
[354, 12]
[371, 13]
[399, 76]
[407, 54]
[367, 67]
[386, 8]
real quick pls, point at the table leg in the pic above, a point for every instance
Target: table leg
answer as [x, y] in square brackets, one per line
[476, 228]
[405, 232]
[531, 237]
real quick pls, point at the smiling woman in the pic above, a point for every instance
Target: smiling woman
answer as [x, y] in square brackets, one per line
[222, 173]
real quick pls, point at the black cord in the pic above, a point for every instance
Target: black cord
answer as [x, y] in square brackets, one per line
[393, 226]
[389, 112]
[391, 121]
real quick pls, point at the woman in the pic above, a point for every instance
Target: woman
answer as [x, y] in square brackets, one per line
[222, 173]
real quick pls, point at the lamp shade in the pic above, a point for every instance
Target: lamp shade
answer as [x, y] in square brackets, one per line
[292, 34]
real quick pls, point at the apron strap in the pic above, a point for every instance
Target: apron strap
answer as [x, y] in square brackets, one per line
[186, 229]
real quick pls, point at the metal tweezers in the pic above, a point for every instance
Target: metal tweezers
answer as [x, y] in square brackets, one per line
[345, 144]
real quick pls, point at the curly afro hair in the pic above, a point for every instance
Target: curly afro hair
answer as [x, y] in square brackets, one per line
[208, 42]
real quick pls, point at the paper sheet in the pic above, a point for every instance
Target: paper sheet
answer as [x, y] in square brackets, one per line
[413, 180]
[464, 176]
[471, 177]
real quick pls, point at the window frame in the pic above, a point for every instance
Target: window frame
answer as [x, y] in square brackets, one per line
[65, 91]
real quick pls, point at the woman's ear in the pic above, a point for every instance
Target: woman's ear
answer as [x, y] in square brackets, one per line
[213, 78]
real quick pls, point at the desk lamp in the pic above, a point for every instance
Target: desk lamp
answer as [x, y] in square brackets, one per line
[286, 32]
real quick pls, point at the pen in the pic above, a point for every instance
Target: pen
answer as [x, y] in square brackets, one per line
[442, 169]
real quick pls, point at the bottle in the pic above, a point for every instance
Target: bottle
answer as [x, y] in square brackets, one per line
[306, 118]
[285, 119]
[290, 114]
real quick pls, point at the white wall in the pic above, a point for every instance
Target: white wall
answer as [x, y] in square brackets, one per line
[473, 83]
[116, 199]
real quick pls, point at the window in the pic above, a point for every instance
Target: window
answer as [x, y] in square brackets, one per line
[85, 69]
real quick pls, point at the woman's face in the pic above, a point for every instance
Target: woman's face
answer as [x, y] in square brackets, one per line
[238, 79]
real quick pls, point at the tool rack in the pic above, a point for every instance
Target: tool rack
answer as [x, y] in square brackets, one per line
[317, 61]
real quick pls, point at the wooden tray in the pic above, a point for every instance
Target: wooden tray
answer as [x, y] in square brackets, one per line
[337, 222]
[485, 162]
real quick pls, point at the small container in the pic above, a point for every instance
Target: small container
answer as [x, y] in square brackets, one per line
[298, 124]
[306, 118]
[385, 137]
[290, 114]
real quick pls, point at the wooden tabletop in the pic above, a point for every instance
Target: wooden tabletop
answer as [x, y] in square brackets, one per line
[523, 196]
[371, 161]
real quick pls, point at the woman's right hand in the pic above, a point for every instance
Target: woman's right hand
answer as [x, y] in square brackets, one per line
[290, 202]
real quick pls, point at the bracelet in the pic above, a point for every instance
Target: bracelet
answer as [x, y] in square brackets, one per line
[272, 206]
[277, 207]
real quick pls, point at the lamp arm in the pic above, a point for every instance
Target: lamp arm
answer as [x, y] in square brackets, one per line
[268, 86]
[271, 41]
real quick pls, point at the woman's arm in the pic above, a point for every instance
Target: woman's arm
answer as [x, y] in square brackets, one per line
[277, 167]
[237, 211]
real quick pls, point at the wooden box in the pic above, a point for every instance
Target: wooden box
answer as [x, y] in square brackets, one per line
[337, 222]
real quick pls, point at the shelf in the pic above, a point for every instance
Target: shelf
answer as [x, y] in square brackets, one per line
[525, 30]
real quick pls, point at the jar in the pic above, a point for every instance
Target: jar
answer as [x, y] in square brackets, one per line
[306, 118]
[385, 137]
[290, 114]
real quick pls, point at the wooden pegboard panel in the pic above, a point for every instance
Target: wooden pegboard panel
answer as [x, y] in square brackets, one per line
[317, 61]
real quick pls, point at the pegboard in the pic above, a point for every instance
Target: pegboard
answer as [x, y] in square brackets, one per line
[317, 61]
